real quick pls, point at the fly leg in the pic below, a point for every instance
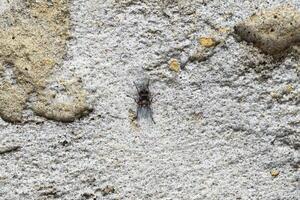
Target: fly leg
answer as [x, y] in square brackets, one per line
[135, 99]
[151, 116]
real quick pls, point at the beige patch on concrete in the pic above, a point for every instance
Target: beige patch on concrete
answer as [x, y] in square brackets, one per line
[65, 105]
[207, 42]
[12, 102]
[272, 31]
[33, 38]
[174, 65]
[274, 172]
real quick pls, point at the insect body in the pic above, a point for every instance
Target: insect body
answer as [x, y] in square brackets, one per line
[144, 101]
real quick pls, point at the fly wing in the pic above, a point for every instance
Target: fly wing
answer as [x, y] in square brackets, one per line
[145, 113]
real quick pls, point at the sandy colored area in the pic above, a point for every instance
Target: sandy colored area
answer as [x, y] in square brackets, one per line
[227, 115]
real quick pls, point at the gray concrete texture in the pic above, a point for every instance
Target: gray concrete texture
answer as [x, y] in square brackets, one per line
[227, 122]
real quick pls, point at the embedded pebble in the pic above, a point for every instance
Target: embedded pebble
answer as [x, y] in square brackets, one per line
[174, 65]
[274, 172]
[207, 42]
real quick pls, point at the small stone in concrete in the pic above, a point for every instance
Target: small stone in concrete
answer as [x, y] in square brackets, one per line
[274, 172]
[207, 42]
[107, 190]
[174, 65]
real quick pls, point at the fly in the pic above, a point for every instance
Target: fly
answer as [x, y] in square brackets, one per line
[144, 101]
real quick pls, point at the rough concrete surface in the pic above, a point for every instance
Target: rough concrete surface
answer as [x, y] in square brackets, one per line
[227, 121]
